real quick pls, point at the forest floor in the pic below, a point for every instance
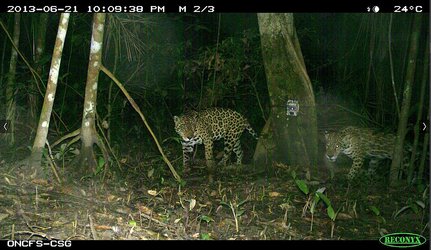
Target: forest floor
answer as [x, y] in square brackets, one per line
[146, 203]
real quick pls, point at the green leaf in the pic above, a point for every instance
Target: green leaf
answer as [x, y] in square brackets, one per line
[421, 204]
[324, 198]
[239, 213]
[401, 210]
[424, 189]
[314, 203]
[331, 213]
[100, 165]
[205, 218]
[101, 162]
[302, 186]
[132, 223]
[224, 204]
[182, 183]
[241, 203]
[205, 236]
[414, 208]
[293, 173]
[375, 210]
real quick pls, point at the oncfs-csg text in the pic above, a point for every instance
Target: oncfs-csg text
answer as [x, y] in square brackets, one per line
[39, 243]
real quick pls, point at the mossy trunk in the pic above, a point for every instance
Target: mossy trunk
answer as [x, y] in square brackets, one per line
[294, 137]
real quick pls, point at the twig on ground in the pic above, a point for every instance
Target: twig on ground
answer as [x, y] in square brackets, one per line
[93, 230]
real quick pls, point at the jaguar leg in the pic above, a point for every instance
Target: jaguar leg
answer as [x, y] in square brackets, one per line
[187, 150]
[227, 152]
[356, 167]
[372, 168]
[238, 151]
[209, 158]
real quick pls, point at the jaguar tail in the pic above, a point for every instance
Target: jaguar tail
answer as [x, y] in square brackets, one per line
[251, 131]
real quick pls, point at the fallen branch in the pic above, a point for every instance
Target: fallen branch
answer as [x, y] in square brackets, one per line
[41, 235]
[155, 220]
[71, 134]
[52, 163]
[135, 106]
[93, 230]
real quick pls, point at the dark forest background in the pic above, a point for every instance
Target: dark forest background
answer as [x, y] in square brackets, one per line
[173, 63]
[168, 64]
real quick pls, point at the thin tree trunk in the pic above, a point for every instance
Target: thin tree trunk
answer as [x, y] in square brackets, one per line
[418, 123]
[295, 137]
[397, 106]
[48, 103]
[88, 127]
[5, 41]
[380, 68]
[116, 44]
[10, 86]
[424, 158]
[33, 95]
[407, 93]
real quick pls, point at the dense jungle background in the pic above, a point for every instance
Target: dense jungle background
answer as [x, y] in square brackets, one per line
[359, 71]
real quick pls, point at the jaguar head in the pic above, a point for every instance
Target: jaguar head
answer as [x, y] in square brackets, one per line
[333, 146]
[184, 127]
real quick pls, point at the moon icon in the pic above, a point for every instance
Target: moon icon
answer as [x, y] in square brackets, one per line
[376, 9]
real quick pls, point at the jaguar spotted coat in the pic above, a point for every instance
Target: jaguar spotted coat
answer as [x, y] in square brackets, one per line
[208, 126]
[359, 143]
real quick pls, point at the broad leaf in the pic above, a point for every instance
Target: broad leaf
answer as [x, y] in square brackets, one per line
[302, 186]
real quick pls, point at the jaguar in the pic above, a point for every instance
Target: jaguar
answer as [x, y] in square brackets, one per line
[209, 125]
[358, 144]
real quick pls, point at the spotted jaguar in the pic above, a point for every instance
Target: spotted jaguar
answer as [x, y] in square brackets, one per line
[209, 125]
[360, 143]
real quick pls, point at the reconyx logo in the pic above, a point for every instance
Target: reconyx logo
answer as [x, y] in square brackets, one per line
[402, 240]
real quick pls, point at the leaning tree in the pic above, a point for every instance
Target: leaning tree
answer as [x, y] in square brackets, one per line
[48, 103]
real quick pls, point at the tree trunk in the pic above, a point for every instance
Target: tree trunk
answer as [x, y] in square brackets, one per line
[265, 148]
[423, 159]
[295, 137]
[418, 123]
[407, 93]
[10, 86]
[88, 128]
[33, 95]
[48, 103]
